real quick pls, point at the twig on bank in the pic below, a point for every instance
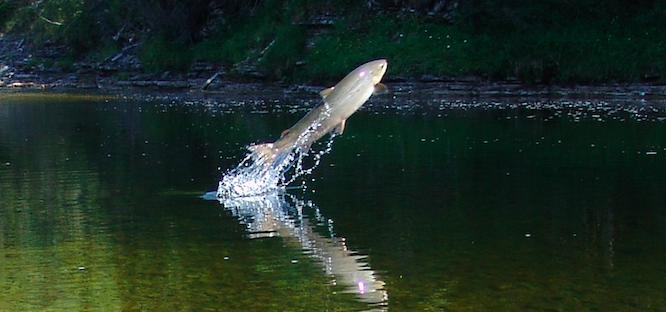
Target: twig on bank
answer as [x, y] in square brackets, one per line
[50, 21]
[209, 81]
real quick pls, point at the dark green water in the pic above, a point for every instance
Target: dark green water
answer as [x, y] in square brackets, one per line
[459, 206]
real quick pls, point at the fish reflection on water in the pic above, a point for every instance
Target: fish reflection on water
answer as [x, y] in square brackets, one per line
[280, 214]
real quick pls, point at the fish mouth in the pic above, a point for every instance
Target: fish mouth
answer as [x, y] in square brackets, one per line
[382, 65]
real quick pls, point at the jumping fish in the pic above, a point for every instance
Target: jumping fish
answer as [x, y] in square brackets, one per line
[339, 102]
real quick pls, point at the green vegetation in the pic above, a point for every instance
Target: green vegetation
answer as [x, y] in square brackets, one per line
[159, 54]
[532, 41]
[269, 40]
[6, 12]
[582, 51]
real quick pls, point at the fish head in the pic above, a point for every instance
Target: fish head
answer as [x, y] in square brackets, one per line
[373, 70]
[361, 79]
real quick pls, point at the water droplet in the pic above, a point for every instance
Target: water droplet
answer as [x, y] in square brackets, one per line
[255, 176]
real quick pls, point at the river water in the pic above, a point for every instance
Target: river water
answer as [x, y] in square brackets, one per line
[450, 204]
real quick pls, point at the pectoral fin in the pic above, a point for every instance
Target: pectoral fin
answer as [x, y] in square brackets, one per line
[339, 128]
[303, 149]
[380, 88]
[324, 93]
[285, 132]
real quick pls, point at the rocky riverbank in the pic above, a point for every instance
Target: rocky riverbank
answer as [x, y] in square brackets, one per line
[22, 67]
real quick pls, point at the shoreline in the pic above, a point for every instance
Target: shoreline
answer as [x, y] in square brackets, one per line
[468, 88]
[123, 76]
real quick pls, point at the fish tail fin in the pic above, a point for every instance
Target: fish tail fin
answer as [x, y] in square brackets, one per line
[263, 152]
[268, 155]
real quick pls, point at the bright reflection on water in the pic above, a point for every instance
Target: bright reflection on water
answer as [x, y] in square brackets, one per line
[281, 214]
[459, 205]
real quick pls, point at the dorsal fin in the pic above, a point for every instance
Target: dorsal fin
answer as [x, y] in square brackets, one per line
[324, 93]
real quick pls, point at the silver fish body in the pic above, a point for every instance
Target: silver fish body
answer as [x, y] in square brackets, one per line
[339, 103]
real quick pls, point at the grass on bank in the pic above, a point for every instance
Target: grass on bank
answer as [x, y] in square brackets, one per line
[273, 47]
[560, 49]
[578, 52]
[582, 52]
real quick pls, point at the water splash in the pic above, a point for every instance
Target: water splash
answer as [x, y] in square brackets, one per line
[254, 176]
